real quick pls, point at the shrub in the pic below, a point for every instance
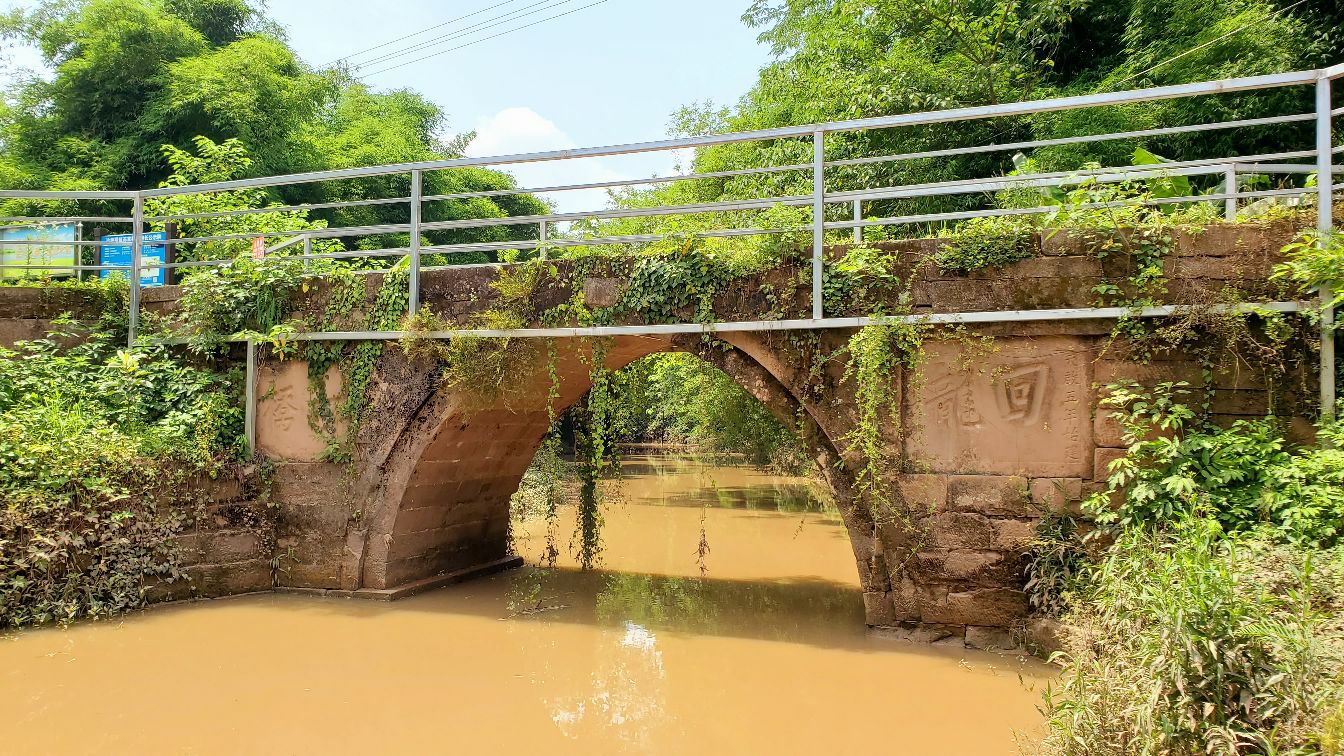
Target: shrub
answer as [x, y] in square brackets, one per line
[1188, 642]
[990, 242]
[1055, 560]
[95, 442]
[1245, 476]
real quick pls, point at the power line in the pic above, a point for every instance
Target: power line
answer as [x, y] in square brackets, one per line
[483, 39]
[489, 23]
[422, 31]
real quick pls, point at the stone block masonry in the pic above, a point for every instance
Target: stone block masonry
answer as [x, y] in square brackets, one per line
[994, 433]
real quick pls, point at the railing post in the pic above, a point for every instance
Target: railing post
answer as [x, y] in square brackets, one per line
[417, 194]
[1324, 223]
[858, 216]
[1230, 179]
[307, 250]
[818, 220]
[250, 399]
[542, 237]
[137, 243]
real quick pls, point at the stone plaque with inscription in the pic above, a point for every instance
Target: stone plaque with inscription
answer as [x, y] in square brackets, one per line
[1020, 409]
[283, 432]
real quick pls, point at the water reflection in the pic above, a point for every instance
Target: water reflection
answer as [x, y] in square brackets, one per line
[628, 696]
[642, 656]
[685, 480]
[799, 610]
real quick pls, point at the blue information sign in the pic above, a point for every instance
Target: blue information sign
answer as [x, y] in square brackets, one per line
[153, 254]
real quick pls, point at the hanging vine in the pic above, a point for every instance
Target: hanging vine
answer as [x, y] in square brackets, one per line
[594, 455]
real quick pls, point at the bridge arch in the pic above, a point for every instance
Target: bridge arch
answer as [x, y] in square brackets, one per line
[440, 465]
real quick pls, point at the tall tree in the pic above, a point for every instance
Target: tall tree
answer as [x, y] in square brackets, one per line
[131, 76]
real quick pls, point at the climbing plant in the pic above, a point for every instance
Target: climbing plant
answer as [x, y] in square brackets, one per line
[247, 295]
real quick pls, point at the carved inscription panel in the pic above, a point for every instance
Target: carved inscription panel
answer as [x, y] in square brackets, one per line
[283, 432]
[1022, 409]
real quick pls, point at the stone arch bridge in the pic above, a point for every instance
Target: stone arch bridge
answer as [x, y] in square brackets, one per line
[994, 438]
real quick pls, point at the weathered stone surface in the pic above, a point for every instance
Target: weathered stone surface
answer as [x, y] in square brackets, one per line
[990, 638]
[960, 530]
[15, 330]
[1107, 430]
[229, 546]
[603, 292]
[878, 609]
[213, 581]
[1057, 495]
[906, 601]
[1013, 535]
[283, 432]
[1025, 407]
[980, 606]
[921, 633]
[1004, 495]
[1103, 459]
[981, 567]
[1044, 636]
[1049, 266]
[923, 493]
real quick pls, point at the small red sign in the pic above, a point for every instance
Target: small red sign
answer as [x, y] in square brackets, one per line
[258, 248]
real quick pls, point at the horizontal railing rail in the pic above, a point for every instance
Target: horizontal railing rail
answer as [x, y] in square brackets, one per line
[839, 189]
[840, 195]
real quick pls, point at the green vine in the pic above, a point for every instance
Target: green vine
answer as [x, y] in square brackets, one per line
[595, 455]
[879, 355]
[356, 363]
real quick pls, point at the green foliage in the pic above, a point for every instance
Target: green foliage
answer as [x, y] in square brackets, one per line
[835, 61]
[389, 309]
[1186, 642]
[94, 443]
[487, 367]
[106, 298]
[680, 398]
[223, 162]
[247, 295]
[130, 76]
[1316, 261]
[1055, 560]
[1332, 734]
[878, 356]
[863, 274]
[990, 242]
[1244, 476]
[663, 285]
[595, 456]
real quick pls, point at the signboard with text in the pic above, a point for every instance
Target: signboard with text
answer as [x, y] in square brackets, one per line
[153, 252]
[46, 245]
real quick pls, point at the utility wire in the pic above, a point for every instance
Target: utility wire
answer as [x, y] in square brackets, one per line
[418, 33]
[1156, 66]
[489, 23]
[483, 39]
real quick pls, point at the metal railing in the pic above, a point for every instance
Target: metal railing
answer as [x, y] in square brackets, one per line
[836, 206]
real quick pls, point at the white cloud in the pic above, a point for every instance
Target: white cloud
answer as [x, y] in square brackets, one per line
[519, 130]
[515, 130]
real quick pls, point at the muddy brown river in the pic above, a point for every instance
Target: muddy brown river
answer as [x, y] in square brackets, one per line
[766, 653]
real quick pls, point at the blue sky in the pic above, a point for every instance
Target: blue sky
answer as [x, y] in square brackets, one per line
[608, 74]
